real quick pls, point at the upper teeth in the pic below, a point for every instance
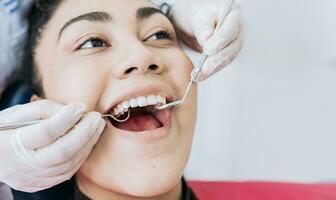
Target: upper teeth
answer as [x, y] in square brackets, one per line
[141, 101]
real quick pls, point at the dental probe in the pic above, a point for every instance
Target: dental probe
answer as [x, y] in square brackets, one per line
[9, 126]
[196, 72]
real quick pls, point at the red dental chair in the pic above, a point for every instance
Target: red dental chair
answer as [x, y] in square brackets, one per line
[262, 191]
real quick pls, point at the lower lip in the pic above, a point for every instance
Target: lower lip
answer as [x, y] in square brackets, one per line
[143, 136]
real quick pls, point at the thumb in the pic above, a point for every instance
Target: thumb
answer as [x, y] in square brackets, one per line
[203, 26]
[224, 34]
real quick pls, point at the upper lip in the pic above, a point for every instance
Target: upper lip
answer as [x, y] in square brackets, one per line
[144, 90]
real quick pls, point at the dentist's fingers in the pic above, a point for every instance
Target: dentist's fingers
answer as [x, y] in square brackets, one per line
[226, 33]
[203, 25]
[76, 159]
[45, 133]
[218, 61]
[67, 146]
[30, 111]
[58, 174]
[66, 176]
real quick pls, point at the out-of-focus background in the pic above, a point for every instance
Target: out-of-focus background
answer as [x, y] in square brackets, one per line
[271, 115]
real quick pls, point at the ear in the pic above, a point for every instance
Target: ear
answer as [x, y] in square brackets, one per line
[35, 98]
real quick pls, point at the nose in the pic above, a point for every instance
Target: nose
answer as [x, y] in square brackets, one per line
[139, 60]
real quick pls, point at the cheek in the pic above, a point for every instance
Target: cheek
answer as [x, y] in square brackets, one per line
[67, 83]
[179, 69]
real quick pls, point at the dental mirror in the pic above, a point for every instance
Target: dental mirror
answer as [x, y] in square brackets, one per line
[116, 119]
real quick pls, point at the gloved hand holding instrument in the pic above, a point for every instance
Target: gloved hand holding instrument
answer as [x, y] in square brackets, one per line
[195, 74]
[207, 27]
[42, 155]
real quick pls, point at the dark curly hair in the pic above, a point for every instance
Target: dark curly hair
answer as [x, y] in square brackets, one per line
[39, 15]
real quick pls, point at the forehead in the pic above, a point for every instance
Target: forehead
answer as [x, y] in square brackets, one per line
[119, 9]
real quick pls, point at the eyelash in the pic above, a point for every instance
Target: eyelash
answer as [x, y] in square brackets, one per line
[104, 43]
[166, 36]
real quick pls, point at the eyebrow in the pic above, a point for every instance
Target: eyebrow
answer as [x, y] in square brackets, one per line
[146, 12]
[141, 14]
[91, 17]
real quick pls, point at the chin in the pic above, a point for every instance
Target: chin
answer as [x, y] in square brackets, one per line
[142, 180]
[154, 185]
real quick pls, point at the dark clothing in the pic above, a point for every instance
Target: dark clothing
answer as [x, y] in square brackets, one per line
[63, 191]
[69, 191]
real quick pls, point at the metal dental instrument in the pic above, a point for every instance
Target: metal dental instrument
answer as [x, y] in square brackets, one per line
[196, 72]
[9, 126]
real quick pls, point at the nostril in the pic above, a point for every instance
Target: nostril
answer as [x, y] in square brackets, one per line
[129, 70]
[153, 67]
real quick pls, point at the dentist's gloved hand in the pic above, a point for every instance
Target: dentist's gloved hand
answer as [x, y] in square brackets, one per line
[197, 19]
[40, 156]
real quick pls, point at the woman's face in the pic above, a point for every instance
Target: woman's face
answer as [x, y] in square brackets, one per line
[108, 52]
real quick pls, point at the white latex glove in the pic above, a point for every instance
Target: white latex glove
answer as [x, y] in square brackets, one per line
[13, 31]
[40, 156]
[197, 20]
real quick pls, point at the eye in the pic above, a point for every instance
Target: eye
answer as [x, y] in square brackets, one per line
[161, 35]
[93, 43]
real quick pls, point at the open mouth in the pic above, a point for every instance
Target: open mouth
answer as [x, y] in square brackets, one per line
[143, 116]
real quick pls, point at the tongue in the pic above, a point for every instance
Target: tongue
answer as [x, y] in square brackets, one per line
[140, 122]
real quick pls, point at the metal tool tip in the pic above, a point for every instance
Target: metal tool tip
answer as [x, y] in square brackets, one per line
[169, 105]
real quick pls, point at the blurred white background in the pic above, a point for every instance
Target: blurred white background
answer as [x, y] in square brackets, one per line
[271, 115]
